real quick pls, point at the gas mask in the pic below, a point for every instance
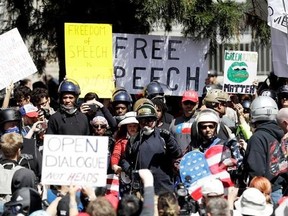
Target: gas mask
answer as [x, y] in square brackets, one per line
[147, 130]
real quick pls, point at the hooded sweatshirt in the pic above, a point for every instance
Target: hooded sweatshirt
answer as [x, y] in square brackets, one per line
[257, 159]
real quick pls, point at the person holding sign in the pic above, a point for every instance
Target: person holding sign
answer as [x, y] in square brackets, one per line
[68, 120]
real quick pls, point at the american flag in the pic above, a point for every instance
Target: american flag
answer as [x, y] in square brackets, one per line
[112, 184]
[196, 167]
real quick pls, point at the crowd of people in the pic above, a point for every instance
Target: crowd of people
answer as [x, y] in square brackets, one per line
[221, 154]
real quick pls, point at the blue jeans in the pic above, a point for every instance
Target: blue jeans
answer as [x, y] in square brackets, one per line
[276, 195]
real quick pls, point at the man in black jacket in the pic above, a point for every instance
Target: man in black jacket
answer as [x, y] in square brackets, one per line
[259, 158]
[68, 120]
[152, 149]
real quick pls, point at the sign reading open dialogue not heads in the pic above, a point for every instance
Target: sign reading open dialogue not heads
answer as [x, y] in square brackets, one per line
[78, 160]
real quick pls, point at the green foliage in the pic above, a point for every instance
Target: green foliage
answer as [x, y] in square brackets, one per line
[41, 22]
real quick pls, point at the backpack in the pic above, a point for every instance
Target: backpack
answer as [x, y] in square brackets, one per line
[6, 176]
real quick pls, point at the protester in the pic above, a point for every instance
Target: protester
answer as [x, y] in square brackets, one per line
[128, 128]
[161, 109]
[68, 120]
[154, 90]
[217, 206]
[168, 204]
[152, 149]
[41, 99]
[267, 135]
[93, 107]
[13, 175]
[180, 127]
[121, 103]
[252, 202]
[22, 95]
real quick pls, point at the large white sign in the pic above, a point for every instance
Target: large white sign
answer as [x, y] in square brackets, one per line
[15, 61]
[177, 62]
[78, 160]
[240, 71]
[278, 14]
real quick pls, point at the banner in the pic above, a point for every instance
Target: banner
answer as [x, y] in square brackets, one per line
[177, 62]
[88, 57]
[240, 71]
[78, 160]
[279, 42]
[15, 62]
[277, 14]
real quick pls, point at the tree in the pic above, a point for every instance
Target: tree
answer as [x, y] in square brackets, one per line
[41, 23]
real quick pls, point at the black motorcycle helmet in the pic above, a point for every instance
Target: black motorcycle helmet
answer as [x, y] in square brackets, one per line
[153, 89]
[8, 115]
[24, 201]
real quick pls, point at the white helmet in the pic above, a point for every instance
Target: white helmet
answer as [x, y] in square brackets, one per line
[208, 115]
[263, 108]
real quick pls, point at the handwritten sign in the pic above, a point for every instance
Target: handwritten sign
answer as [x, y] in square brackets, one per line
[78, 160]
[177, 62]
[15, 61]
[240, 71]
[88, 57]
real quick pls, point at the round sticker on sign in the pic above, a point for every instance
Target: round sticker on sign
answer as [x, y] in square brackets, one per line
[237, 72]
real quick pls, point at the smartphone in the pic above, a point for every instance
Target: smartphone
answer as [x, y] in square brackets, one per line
[93, 107]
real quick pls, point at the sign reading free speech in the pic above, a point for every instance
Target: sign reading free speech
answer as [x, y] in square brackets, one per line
[78, 160]
[177, 62]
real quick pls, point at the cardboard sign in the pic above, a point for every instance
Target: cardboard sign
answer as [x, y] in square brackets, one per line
[88, 57]
[78, 160]
[15, 61]
[177, 62]
[240, 71]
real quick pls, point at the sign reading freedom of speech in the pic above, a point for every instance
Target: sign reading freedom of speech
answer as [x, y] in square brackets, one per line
[177, 62]
[240, 71]
[15, 62]
[88, 57]
[78, 160]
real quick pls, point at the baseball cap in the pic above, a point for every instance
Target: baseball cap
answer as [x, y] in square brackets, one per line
[213, 187]
[253, 202]
[29, 110]
[190, 95]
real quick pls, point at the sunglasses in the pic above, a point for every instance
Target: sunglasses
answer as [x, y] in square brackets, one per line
[186, 103]
[99, 126]
[210, 126]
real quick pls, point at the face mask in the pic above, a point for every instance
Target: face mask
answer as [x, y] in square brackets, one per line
[14, 129]
[68, 110]
[147, 130]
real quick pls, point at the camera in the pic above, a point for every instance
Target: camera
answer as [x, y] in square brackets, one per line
[185, 201]
[93, 108]
[136, 182]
